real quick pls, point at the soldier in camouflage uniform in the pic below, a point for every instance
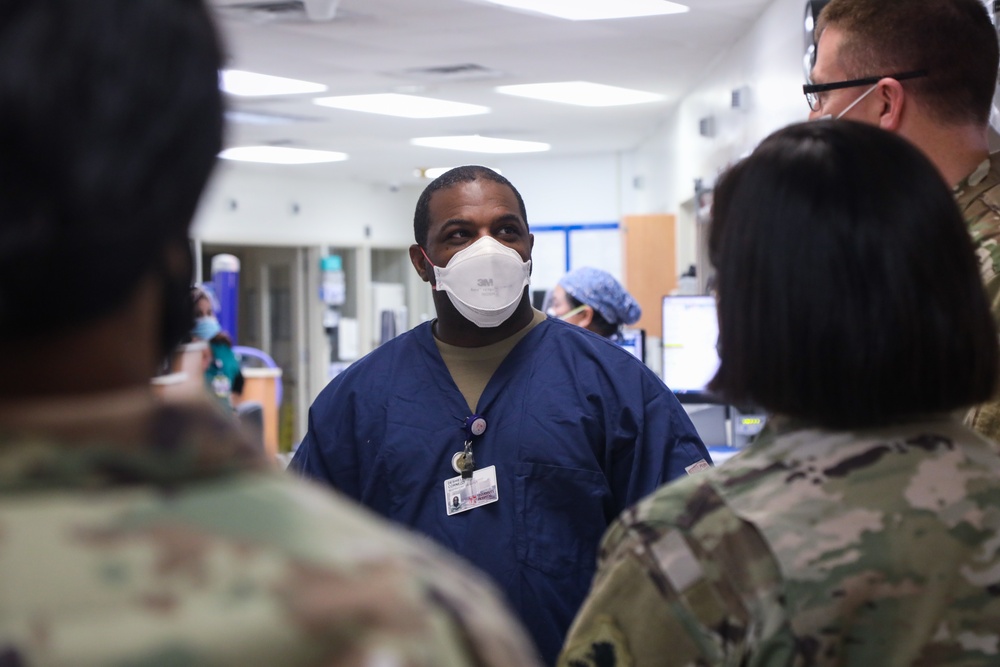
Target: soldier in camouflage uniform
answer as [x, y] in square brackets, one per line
[166, 541]
[134, 532]
[951, 46]
[861, 527]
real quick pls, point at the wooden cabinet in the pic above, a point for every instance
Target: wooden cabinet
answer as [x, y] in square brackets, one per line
[261, 385]
[650, 260]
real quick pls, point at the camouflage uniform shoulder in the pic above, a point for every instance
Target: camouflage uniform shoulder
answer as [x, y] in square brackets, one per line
[880, 536]
[682, 580]
[978, 197]
[109, 560]
[809, 548]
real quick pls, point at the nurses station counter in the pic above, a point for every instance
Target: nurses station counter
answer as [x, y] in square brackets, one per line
[186, 377]
[724, 429]
[261, 385]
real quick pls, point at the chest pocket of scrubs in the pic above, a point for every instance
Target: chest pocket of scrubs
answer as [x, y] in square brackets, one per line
[560, 517]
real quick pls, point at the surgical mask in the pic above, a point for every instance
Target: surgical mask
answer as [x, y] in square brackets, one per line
[849, 107]
[206, 328]
[484, 282]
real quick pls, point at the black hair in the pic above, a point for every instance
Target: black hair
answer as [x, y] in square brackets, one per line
[954, 40]
[597, 322]
[110, 123]
[466, 174]
[849, 291]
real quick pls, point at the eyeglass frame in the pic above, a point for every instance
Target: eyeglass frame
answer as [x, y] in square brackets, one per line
[812, 90]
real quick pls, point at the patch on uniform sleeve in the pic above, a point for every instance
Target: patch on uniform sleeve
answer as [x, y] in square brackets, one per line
[697, 467]
[677, 562]
[602, 645]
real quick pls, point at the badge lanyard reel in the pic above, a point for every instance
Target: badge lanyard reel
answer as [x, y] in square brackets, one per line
[463, 462]
[472, 487]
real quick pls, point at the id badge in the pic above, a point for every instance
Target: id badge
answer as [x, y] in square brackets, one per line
[461, 495]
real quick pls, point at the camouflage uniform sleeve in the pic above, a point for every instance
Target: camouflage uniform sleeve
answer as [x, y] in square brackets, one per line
[394, 594]
[985, 418]
[981, 208]
[682, 581]
[251, 570]
[484, 626]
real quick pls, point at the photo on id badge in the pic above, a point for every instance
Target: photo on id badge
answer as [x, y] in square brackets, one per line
[462, 495]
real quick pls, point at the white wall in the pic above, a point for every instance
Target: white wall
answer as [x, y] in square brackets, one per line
[255, 205]
[767, 62]
[334, 210]
[560, 190]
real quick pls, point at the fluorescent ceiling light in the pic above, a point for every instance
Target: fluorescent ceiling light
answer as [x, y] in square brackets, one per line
[255, 118]
[478, 144]
[582, 93]
[404, 106]
[434, 172]
[590, 10]
[251, 84]
[280, 155]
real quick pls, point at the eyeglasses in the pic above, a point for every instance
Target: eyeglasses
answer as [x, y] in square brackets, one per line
[812, 90]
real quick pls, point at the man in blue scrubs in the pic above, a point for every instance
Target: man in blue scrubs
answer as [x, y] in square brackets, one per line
[511, 438]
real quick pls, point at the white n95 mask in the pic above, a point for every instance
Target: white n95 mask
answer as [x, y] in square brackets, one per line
[484, 281]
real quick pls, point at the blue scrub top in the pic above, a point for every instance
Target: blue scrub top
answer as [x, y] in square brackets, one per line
[578, 430]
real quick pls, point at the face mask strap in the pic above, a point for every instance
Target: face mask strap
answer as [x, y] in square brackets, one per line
[434, 267]
[855, 102]
[426, 257]
[829, 116]
[578, 309]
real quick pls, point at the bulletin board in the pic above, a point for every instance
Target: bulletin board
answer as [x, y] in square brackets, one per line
[564, 247]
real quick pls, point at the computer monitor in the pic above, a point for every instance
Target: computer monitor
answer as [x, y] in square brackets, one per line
[538, 299]
[634, 340]
[690, 357]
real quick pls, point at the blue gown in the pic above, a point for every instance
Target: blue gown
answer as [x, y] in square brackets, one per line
[577, 428]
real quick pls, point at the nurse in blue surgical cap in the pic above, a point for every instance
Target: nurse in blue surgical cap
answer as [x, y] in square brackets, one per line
[594, 300]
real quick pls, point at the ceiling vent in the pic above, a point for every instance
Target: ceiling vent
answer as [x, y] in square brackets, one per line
[462, 72]
[267, 11]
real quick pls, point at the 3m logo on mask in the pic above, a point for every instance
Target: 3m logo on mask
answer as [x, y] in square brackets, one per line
[484, 281]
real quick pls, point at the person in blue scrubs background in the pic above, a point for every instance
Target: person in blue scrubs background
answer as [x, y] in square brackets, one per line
[542, 430]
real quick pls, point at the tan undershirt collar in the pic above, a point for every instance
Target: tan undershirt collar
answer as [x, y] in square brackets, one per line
[472, 367]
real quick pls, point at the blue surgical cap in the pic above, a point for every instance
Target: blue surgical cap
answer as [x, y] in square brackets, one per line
[599, 290]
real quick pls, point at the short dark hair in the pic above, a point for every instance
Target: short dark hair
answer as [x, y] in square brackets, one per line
[849, 291]
[110, 123]
[954, 40]
[466, 174]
